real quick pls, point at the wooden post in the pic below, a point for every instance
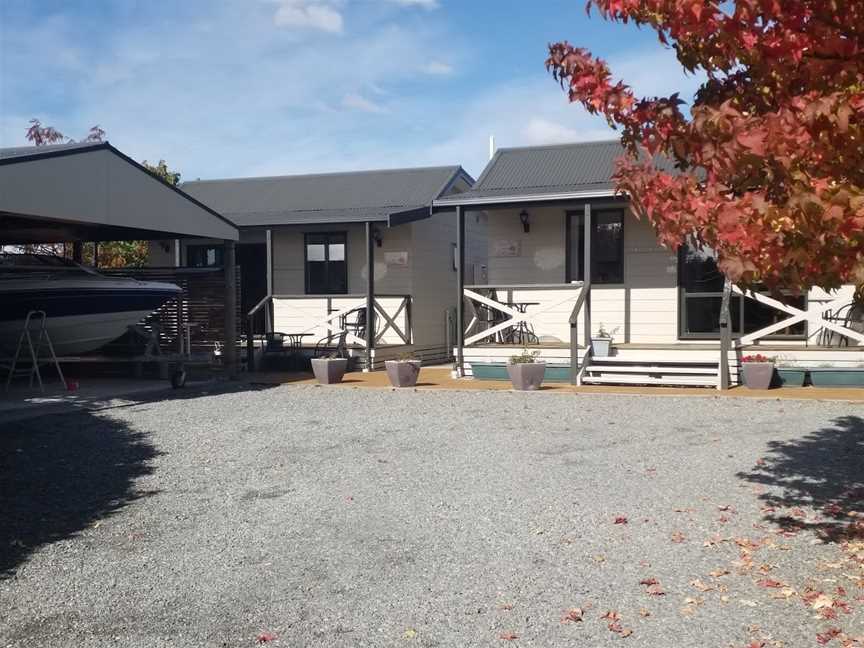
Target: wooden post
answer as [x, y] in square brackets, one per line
[370, 296]
[460, 291]
[586, 276]
[78, 252]
[269, 315]
[229, 353]
[725, 335]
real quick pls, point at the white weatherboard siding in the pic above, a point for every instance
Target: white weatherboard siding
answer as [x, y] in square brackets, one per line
[643, 309]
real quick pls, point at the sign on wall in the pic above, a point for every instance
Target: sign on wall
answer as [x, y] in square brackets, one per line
[396, 258]
[505, 248]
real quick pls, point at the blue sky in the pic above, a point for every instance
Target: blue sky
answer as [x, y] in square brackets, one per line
[265, 87]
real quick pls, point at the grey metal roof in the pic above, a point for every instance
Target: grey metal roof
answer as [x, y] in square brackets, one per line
[356, 196]
[48, 150]
[545, 171]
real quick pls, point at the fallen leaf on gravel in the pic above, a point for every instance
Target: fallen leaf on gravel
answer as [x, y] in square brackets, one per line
[785, 593]
[265, 637]
[821, 601]
[702, 587]
[685, 510]
[573, 615]
[824, 637]
[620, 520]
[726, 507]
[599, 558]
[508, 636]
[611, 615]
[771, 583]
[677, 537]
[626, 632]
[410, 633]
[760, 462]
[717, 573]
[644, 613]
[505, 606]
[648, 581]
[748, 603]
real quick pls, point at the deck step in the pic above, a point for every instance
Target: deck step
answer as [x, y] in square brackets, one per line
[671, 381]
[651, 369]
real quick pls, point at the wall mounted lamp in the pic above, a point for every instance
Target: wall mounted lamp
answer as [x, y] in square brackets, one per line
[526, 225]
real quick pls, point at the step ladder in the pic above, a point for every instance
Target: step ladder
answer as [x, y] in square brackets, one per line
[31, 352]
[615, 370]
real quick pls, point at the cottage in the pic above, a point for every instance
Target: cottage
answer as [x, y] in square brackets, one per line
[552, 213]
[321, 255]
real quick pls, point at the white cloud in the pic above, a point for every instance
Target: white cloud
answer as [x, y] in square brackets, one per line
[308, 14]
[426, 4]
[355, 101]
[438, 68]
[544, 131]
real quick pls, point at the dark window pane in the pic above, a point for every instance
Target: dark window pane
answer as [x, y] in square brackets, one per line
[698, 270]
[758, 316]
[326, 265]
[607, 247]
[204, 256]
[702, 315]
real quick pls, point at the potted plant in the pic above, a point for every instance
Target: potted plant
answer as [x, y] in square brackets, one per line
[526, 371]
[757, 371]
[330, 369]
[601, 343]
[788, 374]
[404, 371]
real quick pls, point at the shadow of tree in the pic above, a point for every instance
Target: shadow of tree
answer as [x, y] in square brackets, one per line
[61, 473]
[823, 471]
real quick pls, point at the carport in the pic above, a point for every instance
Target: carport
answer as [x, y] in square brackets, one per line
[92, 192]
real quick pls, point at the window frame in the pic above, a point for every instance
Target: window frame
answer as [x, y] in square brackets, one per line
[683, 295]
[569, 252]
[306, 277]
[219, 249]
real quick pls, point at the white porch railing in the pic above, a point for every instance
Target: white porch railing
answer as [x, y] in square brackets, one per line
[813, 315]
[321, 317]
[520, 313]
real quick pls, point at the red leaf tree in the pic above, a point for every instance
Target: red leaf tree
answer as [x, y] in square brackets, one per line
[768, 168]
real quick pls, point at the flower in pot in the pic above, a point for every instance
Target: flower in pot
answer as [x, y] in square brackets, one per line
[404, 371]
[601, 342]
[758, 371]
[526, 371]
[329, 369]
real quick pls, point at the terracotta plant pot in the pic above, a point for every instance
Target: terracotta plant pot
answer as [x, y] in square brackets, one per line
[758, 375]
[329, 370]
[526, 376]
[403, 373]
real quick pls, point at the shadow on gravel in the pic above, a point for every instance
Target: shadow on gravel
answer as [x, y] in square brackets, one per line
[823, 471]
[61, 473]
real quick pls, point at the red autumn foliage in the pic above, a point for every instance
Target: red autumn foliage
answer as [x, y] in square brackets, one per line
[620, 520]
[769, 164]
[265, 637]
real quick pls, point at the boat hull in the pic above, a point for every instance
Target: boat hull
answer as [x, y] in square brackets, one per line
[81, 316]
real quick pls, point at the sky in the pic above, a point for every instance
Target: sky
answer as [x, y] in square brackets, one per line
[231, 88]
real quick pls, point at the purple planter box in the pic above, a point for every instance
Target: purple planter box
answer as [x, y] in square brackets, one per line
[526, 376]
[757, 375]
[403, 373]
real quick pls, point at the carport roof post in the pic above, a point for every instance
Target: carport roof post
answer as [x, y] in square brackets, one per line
[94, 192]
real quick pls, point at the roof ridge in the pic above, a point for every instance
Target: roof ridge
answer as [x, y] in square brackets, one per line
[327, 174]
[539, 147]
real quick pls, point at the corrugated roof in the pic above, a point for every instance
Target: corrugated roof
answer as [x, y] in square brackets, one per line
[355, 196]
[19, 152]
[546, 171]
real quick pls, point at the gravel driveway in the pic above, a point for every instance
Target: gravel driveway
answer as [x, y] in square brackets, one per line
[303, 516]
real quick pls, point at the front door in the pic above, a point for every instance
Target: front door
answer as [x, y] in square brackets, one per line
[252, 259]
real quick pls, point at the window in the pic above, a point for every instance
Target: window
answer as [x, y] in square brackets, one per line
[607, 246]
[701, 287]
[203, 256]
[326, 266]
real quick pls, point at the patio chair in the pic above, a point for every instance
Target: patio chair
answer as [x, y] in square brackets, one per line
[354, 321]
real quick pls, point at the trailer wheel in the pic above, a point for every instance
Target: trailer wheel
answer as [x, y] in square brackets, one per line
[178, 378]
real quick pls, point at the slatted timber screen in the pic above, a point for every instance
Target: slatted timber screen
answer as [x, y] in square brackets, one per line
[201, 304]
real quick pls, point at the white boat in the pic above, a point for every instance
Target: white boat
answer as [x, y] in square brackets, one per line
[85, 310]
